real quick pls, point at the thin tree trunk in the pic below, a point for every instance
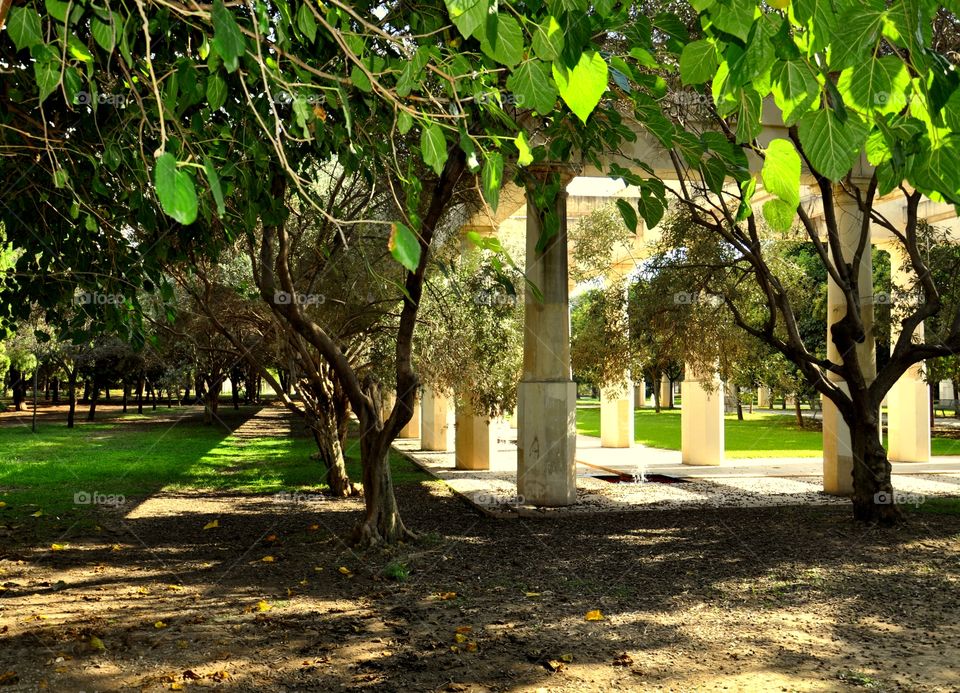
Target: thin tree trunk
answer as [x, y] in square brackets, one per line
[873, 497]
[736, 397]
[797, 410]
[72, 395]
[94, 396]
[140, 395]
[56, 390]
[331, 455]
[126, 396]
[381, 519]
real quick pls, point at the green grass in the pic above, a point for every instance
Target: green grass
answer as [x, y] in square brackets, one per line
[758, 435]
[44, 470]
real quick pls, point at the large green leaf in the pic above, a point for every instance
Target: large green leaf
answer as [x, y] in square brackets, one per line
[880, 84]
[858, 29]
[582, 87]
[532, 87]
[734, 16]
[23, 25]
[175, 189]
[213, 180]
[433, 147]
[795, 89]
[781, 177]
[404, 246]
[216, 91]
[749, 111]
[505, 44]
[830, 144]
[628, 213]
[306, 22]
[548, 39]
[468, 15]
[46, 71]
[698, 62]
[492, 176]
[228, 40]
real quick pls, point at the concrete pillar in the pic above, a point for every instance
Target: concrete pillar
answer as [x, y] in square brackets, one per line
[640, 394]
[437, 430]
[412, 429]
[908, 402]
[701, 419]
[666, 392]
[389, 398]
[837, 449]
[946, 390]
[476, 439]
[616, 416]
[547, 395]
[764, 395]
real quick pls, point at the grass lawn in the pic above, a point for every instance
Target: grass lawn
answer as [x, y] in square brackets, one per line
[134, 456]
[758, 435]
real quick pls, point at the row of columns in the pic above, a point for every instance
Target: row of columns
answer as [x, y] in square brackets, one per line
[546, 407]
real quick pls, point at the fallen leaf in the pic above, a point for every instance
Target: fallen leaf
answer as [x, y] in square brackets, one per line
[219, 676]
[175, 588]
[8, 678]
[271, 537]
[97, 644]
[566, 658]
[39, 513]
[263, 606]
[57, 547]
[594, 615]
[464, 629]
[471, 646]
[531, 594]
[143, 590]
[554, 665]
[454, 648]
[213, 524]
[447, 596]
[159, 624]
[268, 559]
[622, 660]
[176, 686]
[116, 547]
[317, 569]
[3, 504]
[313, 528]
[191, 674]
[345, 571]
[460, 637]
[304, 582]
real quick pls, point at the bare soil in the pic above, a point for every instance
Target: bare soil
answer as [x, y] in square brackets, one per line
[271, 599]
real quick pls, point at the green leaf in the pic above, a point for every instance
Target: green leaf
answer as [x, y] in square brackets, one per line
[433, 147]
[104, 33]
[506, 44]
[360, 79]
[404, 122]
[698, 62]
[781, 177]
[878, 85]
[582, 87]
[951, 111]
[213, 180]
[857, 32]
[525, 156]
[531, 85]
[492, 177]
[779, 215]
[795, 89]
[216, 91]
[57, 10]
[46, 71]
[23, 25]
[61, 178]
[734, 17]
[468, 15]
[404, 246]
[548, 40]
[306, 22]
[228, 40]
[749, 110]
[175, 189]
[831, 145]
[628, 213]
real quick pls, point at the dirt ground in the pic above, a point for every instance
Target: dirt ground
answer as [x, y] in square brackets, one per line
[271, 599]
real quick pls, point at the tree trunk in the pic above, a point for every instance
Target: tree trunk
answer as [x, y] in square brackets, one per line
[873, 498]
[656, 396]
[140, 395]
[331, 455]
[56, 390]
[126, 396]
[72, 398]
[381, 519]
[736, 397]
[211, 403]
[796, 409]
[18, 387]
[956, 409]
[94, 396]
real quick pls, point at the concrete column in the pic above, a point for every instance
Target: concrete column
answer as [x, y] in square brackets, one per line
[837, 448]
[547, 434]
[389, 398]
[412, 429]
[476, 439]
[946, 390]
[908, 402]
[616, 416]
[640, 394]
[666, 392]
[701, 419]
[763, 397]
[437, 428]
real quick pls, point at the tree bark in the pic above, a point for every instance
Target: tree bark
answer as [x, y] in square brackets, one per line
[797, 410]
[873, 498]
[18, 385]
[94, 397]
[330, 452]
[72, 398]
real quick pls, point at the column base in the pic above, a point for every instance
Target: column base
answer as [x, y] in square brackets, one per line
[547, 442]
[908, 420]
[437, 430]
